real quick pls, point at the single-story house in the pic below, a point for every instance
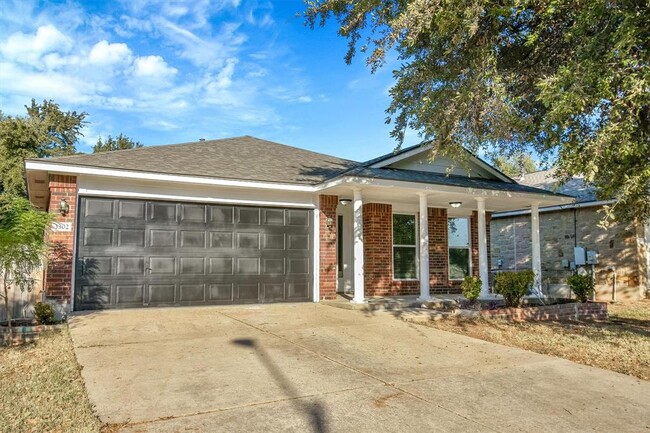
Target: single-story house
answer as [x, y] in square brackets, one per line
[623, 268]
[245, 220]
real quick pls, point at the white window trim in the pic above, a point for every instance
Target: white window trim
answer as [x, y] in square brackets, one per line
[469, 247]
[417, 246]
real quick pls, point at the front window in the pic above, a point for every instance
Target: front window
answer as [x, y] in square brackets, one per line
[404, 247]
[459, 251]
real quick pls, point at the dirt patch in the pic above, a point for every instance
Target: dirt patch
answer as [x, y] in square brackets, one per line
[41, 389]
[621, 344]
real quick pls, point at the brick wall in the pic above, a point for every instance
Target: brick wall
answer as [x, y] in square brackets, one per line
[58, 279]
[438, 253]
[327, 236]
[560, 312]
[618, 246]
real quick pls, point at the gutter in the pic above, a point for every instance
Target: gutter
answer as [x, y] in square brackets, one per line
[553, 208]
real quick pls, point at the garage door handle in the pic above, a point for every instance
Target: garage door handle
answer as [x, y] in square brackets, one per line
[148, 269]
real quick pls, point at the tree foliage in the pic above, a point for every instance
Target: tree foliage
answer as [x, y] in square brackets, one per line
[569, 79]
[45, 131]
[515, 165]
[22, 245]
[121, 142]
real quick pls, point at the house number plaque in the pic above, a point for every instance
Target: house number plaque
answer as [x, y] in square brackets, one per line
[61, 227]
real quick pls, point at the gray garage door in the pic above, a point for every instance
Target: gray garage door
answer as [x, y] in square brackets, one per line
[136, 253]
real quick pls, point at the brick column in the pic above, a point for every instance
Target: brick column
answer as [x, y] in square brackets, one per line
[58, 278]
[378, 248]
[438, 250]
[327, 269]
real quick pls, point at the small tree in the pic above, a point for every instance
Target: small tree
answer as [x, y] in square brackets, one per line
[22, 246]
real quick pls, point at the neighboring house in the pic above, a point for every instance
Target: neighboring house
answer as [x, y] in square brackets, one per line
[244, 220]
[623, 249]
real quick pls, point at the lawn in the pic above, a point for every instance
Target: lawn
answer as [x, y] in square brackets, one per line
[621, 345]
[41, 389]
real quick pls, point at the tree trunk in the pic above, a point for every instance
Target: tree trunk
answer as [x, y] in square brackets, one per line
[8, 313]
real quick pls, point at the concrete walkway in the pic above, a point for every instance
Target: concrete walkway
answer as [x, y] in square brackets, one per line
[309, 367]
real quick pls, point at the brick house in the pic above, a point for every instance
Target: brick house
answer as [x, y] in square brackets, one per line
[245, 220]
[623, 249]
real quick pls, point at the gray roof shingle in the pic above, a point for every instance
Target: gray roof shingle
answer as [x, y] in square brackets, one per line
[243, 158]
[545, 179]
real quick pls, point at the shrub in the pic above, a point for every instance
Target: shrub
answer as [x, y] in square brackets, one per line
[471, 288]
[513, 285]
[582, 286]
[44, 313]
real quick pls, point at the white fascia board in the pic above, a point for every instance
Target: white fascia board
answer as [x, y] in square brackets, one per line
[353, 181]
[553, 208]
[195, 199]
[401, 156]
[127, 174]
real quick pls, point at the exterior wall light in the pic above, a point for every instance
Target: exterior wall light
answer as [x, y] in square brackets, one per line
[455, 203]
[345, 201]
[64, 207]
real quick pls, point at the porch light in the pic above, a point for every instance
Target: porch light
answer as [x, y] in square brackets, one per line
[345, 201]
[64, 207]
[455, 203]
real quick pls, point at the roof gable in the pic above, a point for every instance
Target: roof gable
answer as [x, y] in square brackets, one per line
[417, 158]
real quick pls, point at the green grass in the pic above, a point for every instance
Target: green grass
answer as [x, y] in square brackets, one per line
[41, 389]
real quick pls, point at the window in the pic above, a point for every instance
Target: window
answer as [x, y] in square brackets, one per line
[459, 255]
[404, 247]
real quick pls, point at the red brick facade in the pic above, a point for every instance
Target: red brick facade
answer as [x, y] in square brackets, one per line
[327, 236]
[58, 279]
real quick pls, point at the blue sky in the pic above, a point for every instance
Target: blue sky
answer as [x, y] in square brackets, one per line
[173, 71]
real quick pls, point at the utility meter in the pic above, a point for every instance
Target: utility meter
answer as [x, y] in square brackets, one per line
[580, 256]
[592, 257]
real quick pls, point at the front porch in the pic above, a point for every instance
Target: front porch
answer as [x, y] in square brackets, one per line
[414, 242]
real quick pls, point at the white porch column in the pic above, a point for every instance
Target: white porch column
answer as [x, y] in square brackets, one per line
[536, 248]
[425, 294]
[359, 296]
[482, 249]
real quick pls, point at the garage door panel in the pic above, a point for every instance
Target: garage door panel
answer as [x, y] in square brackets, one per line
[192, 292]
[161, 253]
[221, 240]
[132, 210]
[97, 208]
[129, 294]
[100, 237]
[162, 238]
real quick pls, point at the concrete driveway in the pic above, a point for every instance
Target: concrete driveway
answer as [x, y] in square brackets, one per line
[309, 367]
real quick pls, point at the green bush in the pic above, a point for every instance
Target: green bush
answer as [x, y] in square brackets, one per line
[513, 285]
[471, 288]
[44, 313]
[582, 286]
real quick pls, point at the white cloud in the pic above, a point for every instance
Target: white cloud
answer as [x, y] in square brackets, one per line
[153, 67]
[304, 99]
[105, 54]
[28, 48]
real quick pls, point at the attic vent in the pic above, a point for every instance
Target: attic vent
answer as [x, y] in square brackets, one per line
[39, 181]
[39, 197]
[201, 139]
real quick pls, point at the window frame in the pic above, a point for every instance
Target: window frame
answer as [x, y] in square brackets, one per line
[416, 246]
[468, 248]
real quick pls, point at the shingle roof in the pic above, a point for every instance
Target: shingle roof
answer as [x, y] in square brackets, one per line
[443, 179]
[545, 179]
[244, 158]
